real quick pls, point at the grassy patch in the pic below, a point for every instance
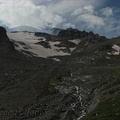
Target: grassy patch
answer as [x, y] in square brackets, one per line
[53, 84]
[106, 110]
[109, 108]
[107, 79]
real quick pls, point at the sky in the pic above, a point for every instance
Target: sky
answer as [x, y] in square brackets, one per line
[100, 16]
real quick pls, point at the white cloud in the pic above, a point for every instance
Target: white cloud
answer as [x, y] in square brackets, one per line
[68, 6]
[26, 13]
[77, 12]
[83, 10]
[89, 9]
[40, 13]
[88, 16]
[107, 11]
[69, 25]
[91, 20]
[80, 14]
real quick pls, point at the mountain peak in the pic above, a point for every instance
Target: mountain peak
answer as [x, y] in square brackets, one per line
[71, 33]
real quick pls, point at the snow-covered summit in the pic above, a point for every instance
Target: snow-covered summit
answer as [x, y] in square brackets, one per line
[24, 28]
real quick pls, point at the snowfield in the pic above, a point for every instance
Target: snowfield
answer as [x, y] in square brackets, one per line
[26, 43]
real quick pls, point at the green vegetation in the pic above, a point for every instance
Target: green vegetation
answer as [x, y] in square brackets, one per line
[53, 85]
[107, 81]
[106, 110]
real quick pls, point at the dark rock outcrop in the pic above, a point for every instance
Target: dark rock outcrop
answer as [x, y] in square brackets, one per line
[43, 43]
[2, 31]
[87, 36]
[5, 44]
[70, 33]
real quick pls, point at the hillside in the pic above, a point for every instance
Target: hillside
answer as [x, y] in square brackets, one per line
[70, 76]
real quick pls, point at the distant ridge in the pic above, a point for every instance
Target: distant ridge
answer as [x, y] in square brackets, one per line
[24, 28]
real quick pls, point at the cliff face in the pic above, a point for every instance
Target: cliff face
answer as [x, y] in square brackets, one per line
[5, 44]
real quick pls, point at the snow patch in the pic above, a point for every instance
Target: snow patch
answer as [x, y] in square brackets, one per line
[76, 41]
[52, 44]
[117, 49]
[107, 57]
[29, 41]
[56, 59]
[72, 49]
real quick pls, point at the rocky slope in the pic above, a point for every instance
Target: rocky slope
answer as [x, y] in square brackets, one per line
[82, 85]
